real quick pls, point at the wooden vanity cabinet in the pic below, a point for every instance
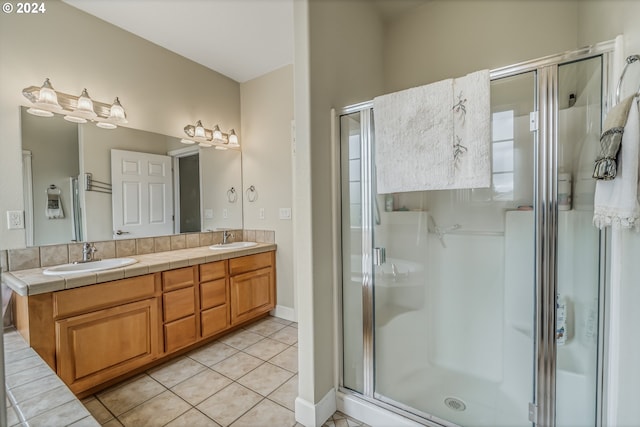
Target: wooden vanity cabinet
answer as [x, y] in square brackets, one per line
[104, 331]
[252, 284]
[94, 334]
[179, 302]
[214, 298]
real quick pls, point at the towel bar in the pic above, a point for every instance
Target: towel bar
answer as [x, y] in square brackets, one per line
[630, 60]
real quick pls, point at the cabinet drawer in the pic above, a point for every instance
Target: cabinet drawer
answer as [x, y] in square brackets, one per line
[213, 271]
[213, 293]
[178, 304]
[180, 333]
[90, 298]
[213, 320]
[249, 263]
[176, 279]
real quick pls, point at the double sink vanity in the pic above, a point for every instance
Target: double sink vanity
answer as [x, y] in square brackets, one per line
[95, 324]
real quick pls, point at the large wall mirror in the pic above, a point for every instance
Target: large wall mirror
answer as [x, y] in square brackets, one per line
[71, 192]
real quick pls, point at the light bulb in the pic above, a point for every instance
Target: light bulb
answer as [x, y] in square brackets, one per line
[233, 138]
[47, 97]
[116, 113]
[200, 132]
[217, 133]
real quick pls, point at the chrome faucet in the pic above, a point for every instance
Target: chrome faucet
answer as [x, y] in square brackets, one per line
[88, 249]
[226, 234]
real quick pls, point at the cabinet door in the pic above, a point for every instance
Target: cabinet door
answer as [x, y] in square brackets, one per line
[252, 294]
[95, 347]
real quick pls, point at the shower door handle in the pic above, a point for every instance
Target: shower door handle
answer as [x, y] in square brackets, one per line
[379, 256]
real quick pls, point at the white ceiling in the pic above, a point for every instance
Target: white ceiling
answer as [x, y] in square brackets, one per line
[242, 39]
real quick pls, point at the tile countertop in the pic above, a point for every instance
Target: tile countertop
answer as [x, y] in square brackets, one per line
[32, 281]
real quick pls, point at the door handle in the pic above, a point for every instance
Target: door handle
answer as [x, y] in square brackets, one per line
[120, 232]
[379, 256]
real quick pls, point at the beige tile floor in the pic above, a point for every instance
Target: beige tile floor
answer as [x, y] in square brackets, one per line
[245, 379]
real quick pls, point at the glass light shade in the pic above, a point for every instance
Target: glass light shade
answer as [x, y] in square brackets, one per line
[187, 141]
[75, 119]
[39, 112]
[47, 97]
[116, 113]
[106, 125]
[200, 132]
[217, 133]
[233, 138]
[85, 107]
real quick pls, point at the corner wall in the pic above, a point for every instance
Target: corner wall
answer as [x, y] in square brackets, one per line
[338, 61]
[266, 139]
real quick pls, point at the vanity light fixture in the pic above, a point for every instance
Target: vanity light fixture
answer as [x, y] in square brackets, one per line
[210, 137]
[77, 109]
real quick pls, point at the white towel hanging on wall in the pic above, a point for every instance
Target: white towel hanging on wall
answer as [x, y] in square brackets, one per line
[434, 137]
[53, 209]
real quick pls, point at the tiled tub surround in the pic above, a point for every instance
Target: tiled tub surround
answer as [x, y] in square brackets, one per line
[47, 256]
[35, 395]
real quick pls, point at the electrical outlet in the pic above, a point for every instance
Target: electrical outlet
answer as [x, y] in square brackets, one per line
[15, 220]
[261, 213]
[208, 214]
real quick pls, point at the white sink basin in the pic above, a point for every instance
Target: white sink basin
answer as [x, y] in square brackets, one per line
[234, 245]
[88, 267]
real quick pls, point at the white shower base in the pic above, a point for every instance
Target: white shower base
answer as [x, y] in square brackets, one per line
[486, 403]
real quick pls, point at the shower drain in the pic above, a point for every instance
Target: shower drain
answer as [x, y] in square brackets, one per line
[455, 404]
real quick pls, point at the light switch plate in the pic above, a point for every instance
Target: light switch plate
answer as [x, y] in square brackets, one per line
[15, 220]
[285, 213]
[261, 213]
[225, 213]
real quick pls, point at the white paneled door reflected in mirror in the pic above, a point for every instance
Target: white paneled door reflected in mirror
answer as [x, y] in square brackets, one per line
[60, 154]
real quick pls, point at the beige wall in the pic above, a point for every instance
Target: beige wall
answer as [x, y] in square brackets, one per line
[338, 62]
[444, 39]
[160, 90]
[604, 20]
[267, 112]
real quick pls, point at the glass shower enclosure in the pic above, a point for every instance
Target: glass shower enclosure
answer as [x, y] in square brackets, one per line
[481, 307]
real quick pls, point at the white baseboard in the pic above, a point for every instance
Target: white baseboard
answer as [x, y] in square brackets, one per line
[371, 414]
[311, 415]
[285, 313]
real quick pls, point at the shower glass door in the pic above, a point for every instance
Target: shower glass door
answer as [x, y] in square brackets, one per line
[454, 301]
[579, 118]
[482, 306]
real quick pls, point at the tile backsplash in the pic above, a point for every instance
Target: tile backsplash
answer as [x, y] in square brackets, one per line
[46, 256]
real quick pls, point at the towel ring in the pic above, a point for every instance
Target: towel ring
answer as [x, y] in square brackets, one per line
[630, 60]
[232, 196]
[252, 194]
